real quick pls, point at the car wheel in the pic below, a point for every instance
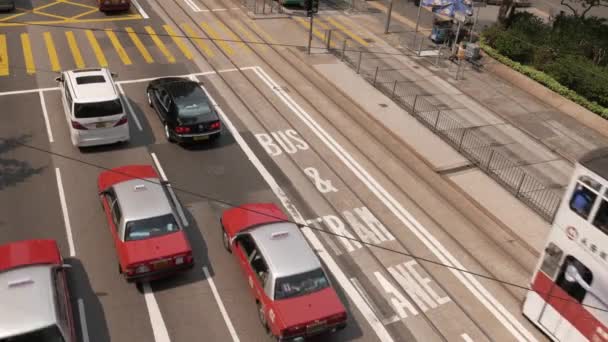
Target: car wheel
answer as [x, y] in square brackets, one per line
[168, 133]
[226, 240]
[262, 317]
[149, 98]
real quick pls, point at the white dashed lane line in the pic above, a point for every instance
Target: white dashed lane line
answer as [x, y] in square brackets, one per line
[220, 304]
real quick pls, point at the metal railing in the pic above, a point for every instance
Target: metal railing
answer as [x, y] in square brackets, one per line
[481, 151]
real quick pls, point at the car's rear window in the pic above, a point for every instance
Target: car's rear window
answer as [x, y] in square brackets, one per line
[48, 334]
[97, 109]
[192, 102]
[150, 227]
[300, 284]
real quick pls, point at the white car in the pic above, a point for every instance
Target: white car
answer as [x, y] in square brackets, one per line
[93, 108]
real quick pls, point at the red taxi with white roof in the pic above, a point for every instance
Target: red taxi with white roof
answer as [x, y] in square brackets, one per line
[294, 296]
[148, 237]
[34, 298]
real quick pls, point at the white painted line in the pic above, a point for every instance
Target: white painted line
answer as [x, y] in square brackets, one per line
[126, 100]
[466, 337]
[46, 116]
[83, 321]
[27, 91]
[219, 9]
[159, 329]
[220, 304]
[333, 267]
[140, 10]
[163, 176]
[193, 5]
[363, 294]
[468, 280]
[64, 210]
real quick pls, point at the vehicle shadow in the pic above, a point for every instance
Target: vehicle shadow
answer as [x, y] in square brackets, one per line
[13, 171]
[201, 258]
[94, 327]
[225, 139]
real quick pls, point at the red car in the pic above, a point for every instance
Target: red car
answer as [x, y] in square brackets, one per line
[149, 239]
[34, 297]
[294, 296]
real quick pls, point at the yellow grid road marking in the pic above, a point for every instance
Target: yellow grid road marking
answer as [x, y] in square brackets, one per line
[139, 45]
[30, 67]
[316, 32]
[159, 43]
[178, 41]
[197, 39]
[75, 50]
[68, 20]
[101, 58]
[343, 28]
[215, 36]
[84, 13]
[3, 56]
[79, 4]
[118, 47]
[15, 15]
[50, 46]
[249, 35]
[233, 36]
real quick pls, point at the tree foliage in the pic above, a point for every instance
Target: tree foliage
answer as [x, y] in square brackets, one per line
[580, 8]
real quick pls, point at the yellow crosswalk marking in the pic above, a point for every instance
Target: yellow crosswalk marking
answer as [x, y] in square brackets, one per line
[159, 43]
[178, 41]
[75, 50]
[306, 24]
[249, 36]
[233, 36]
[30, 67]
[347, 31]
[3, 56]
[50, 47]
[197, 39]
[101, 58]
[335, 33]
[118, 47]
[139, 45]
[218, 39]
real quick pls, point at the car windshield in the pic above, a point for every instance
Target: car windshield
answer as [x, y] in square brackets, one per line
[150, 227]
[48, 334]
[300, 284]
[192, 103]
[97, 109]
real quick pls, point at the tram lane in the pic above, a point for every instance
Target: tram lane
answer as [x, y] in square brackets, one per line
[221, 171]
[479, 309]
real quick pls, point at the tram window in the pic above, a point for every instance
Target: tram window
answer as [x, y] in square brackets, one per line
[601, 218]
[590, 182]
[553, 255]
[582, 200]
[571, 286]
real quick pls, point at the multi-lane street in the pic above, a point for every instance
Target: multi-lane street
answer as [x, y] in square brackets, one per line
[402, 257]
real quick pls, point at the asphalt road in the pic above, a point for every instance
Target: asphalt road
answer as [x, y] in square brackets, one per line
[286, 140]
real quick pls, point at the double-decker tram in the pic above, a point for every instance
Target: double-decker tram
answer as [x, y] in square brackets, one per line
[569, 297]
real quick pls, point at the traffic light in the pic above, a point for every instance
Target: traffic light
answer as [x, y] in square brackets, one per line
[312, 7]
[315, 6]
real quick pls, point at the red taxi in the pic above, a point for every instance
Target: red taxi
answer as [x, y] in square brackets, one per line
[294, 296]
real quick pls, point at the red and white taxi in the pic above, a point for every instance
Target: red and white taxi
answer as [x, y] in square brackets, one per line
[294, 296]
[149, 239]
[34, 296]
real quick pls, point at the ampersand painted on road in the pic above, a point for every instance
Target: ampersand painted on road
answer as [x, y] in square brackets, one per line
[322, 185]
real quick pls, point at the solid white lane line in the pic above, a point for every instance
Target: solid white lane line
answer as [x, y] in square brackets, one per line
[64, 210]
[159, 329]
[27, 91]
[126, 100]
[219, 9]
[466, 337]
[220, 304]
[46, 116]
[83, 321]
[193, 5]
[140, 9]
[163, 176]
[468, 280]
[333, 267]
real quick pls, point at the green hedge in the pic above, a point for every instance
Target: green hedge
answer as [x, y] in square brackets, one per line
[545, 80]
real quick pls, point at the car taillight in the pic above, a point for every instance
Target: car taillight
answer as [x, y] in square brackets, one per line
[130, 271]
[182, 129]
[122, 121]
[77, 125]
[293, 331]
[338, 318]
[215, 125]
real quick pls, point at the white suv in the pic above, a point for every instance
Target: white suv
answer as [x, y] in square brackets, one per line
[93, 108]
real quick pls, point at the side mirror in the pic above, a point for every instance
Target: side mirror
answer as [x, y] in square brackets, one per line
[114, 74]
[59, 79]
[65, 266]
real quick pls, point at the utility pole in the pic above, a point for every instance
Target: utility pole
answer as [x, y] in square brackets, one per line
[417, 23]
[310, 33]
[388, 16]
[312, 7]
